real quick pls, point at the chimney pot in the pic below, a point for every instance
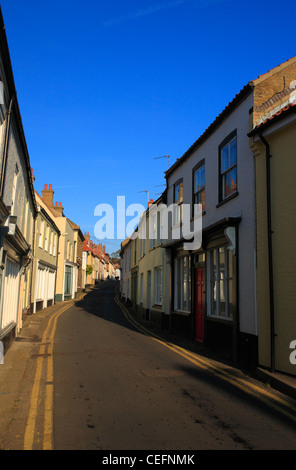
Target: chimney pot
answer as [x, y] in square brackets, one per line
[50, 186]
[60, 204]
[45, 186]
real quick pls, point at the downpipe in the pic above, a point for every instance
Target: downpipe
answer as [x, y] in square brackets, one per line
[270, 257]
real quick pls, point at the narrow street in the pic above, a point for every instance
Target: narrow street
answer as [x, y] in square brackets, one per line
[116, 388]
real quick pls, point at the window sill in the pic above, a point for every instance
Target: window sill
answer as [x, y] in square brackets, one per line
[157, 306]
[181, 312]
[219, 318]
[232, 196]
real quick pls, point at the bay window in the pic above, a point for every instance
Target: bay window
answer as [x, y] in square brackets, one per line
[182, 283]
[220, 277]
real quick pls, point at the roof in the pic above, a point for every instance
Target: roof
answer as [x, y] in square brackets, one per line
[13, 94]
[284, 112]
[272, 71]
[239, 97]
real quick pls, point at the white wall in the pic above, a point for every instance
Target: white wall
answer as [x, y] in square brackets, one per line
[243, 205]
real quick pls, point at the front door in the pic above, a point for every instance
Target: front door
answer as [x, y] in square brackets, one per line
[199, 304]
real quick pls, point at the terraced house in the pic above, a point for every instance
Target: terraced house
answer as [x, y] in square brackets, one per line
[17, 205]
[45, 263]
[67, 271]
[228, 292]
[214, 287]
[273, 142]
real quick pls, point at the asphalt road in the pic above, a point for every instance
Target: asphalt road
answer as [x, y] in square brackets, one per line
[116, 388]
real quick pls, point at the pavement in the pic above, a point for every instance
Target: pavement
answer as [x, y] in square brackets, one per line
[15, 367]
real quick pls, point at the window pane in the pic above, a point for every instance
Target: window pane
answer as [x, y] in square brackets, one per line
[181, 192]
[233, 180]
[224, 159]
[185, 281]
[232, 152]
[196, 181]
[214, 282]
[202, 176]
[177, 193]
[222, 281]
[230, 284]
[229, 182]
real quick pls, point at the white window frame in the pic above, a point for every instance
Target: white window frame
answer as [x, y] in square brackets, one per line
[216, 276]
[158, 286]
[178, 203]
[141, 287]
[182, 284]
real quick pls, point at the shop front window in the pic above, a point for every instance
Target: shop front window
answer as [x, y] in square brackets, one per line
[220, 301]
[182, 283]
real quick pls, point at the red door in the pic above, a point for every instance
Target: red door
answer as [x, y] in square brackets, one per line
[199, 304]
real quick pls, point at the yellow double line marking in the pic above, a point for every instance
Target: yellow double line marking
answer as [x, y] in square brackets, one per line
[263, 395]
[46, 343]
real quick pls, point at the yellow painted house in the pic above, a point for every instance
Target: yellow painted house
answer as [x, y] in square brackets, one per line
[273, 141]
[67, 272]
[46, 246]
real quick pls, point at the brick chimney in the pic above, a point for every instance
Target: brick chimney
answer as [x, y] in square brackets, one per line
[47, 195]
[33, 177]
[59, 209]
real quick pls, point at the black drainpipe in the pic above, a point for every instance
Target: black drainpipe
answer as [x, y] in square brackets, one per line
[270, 261]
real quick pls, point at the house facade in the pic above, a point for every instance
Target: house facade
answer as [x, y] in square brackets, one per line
[81, 266]
[45, 262]
[152, 266]
[213, 287]
[273, 142]
[18, 207]
[125, 270]
[67, 272]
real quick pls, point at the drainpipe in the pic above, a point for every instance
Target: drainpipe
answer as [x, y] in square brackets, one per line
[270, 261]
[5, 147]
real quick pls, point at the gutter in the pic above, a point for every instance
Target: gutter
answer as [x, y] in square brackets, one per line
[270, 260]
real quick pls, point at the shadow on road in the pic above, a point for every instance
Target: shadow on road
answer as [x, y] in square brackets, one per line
[99, 301]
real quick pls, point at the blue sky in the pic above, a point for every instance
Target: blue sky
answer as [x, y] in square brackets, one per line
[106, 87]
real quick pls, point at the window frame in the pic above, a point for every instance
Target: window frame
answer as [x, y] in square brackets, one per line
[182, 304]
[223, 144]
[179, 182]
[214, 283]
[158, 286]
[194, 170]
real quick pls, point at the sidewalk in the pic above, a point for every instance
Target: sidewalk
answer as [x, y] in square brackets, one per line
[15, 371]
[283, 383]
